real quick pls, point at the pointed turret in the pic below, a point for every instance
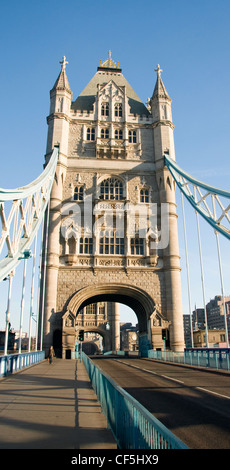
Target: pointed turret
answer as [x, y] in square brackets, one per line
[160, 90]
[60, 104]
[160, 104]
[62, 80]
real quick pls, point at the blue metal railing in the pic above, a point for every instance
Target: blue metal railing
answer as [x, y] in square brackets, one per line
[132, 425]
[214, 358]
[14, 362]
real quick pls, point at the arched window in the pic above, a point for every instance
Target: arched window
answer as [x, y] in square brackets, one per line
[78, 193]
[104, 133]
[118, 110]
[111, 188]
[105, 109]
[118, 134]
[144, 195]
[132, 137]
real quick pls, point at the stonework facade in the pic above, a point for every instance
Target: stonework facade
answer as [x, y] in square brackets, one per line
[106, 239]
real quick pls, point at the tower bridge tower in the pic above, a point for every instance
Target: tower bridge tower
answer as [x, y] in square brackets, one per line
[112, 233]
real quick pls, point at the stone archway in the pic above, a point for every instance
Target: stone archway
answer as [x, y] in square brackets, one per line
[136, 298]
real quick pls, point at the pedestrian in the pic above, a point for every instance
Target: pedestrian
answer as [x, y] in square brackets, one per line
[51, 355]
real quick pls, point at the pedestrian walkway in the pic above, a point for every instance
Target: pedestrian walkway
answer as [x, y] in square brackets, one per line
[52, 406]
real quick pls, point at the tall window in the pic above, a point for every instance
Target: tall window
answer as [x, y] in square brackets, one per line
[132, 137]
[104, 133]
[137, 246]
[101, 310]
[86, 246]
[90, 135]
[78, 193]
[118, 134]
[105, 109]
[144, 195]
[118, 110]
[111, 188]
[91, 309]
[110, 244]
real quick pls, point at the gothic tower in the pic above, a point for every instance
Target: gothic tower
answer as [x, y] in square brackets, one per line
[112, 233]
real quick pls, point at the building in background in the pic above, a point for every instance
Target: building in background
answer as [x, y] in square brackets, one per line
[215, 320]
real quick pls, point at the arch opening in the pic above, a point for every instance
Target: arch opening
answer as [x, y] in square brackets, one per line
[135, 305]
[113, 294]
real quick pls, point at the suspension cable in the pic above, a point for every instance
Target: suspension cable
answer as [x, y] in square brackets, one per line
[221, 277]
[187, 266]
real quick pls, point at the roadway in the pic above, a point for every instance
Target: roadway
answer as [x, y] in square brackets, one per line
[193, 403]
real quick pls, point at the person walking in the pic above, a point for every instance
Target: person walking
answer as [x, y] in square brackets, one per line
[51, 354]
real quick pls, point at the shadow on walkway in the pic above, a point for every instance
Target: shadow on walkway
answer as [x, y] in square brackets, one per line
[52, 407]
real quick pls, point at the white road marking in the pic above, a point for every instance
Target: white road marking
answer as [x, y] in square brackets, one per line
[214, 393]
[174, 380]
[170, 378]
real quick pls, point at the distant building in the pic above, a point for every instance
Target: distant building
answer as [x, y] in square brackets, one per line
[11, 340]
[216, 338]
[129, 337]
[215, 312]
[198, 322]
[215, 320]
[198, 319]
[187, 331]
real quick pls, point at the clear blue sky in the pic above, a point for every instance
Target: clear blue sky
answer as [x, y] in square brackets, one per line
[189, 39]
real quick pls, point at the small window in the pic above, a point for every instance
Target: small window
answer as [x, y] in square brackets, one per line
[144, 195]
[137, 246]
[105, 109]
[78, 193]
[132, 137]
[86, 246]
[90, 133]
[104, 133]
[118, 134]
[118, 110]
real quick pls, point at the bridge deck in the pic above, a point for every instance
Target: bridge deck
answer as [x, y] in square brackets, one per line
[52, 406]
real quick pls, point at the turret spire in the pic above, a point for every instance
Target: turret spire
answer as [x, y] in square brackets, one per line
[62, 80]
[159, 90]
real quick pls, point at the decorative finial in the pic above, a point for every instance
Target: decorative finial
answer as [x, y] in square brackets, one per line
[63, 62]
[110, 60]
[109, 63]
[158, 70]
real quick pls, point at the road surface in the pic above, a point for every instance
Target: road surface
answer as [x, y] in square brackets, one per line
[192, 403]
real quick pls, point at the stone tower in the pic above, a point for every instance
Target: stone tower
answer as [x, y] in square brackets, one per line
[112, 233]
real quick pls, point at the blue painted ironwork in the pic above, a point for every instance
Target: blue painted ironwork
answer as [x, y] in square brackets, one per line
[214, 213]
[214, 358]
[22, 221]
[132, 425]
[14, 362]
